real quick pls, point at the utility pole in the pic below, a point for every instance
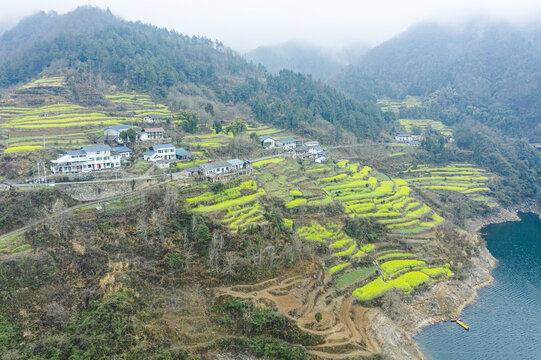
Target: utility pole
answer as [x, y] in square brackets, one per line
[37, 180]
[44, 173]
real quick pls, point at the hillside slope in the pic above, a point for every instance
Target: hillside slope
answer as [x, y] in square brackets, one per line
[99, 48]
[484, 71]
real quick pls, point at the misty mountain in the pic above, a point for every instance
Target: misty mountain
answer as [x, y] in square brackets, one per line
[484, 71]
[5, 25]
[90, 42]
[305, 58]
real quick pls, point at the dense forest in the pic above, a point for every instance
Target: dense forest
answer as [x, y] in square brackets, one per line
[148, 59]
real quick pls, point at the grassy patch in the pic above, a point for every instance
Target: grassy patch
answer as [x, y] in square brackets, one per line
[354, 276]
[16, 149]
[338, 267]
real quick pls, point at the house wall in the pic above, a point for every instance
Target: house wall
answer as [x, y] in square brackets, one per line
[72, 164]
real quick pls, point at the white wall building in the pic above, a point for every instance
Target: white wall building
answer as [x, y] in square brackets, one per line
[115, 130]
[267, 141]
[87, 159]
[404, 138]
[149, 134]
[160, 152]
[123, 151]
[311, 143]
[287, 143]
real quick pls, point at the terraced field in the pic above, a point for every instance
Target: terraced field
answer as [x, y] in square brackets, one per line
[14, 244]
[209, 141]
[65, 125]
[370, 270]
[352, 269]
[206, 141]
[395, 105]
[385, 200]
[139, 105]
[423, 124]
[52, 126]
[463, 178]
[238, 207]
[261, 130]
[54, 81]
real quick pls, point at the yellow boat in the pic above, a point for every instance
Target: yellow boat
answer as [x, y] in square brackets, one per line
[463, 325]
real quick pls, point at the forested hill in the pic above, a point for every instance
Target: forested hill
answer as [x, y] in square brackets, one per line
[134, 56]
[484, 71]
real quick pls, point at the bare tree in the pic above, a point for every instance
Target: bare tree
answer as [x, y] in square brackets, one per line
[158, 218]
[60, 220]
[214, 251]
[142, 229]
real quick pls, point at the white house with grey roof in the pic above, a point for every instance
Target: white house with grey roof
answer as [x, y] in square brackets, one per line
[124, 151]
[162, 152]
[112, 133]
[267, 141]
[287, 143]
[221, 170]
[88, 158]
[183, 154]
[115, 130]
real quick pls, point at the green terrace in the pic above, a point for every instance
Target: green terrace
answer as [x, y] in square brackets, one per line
[237, 207]
[367, 271]
[139, 105]
[55, 81]
[423, 124]
[463, 178]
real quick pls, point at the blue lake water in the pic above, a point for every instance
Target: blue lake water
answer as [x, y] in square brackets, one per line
[505, 321]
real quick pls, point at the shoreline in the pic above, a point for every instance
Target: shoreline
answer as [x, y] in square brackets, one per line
[502, 215]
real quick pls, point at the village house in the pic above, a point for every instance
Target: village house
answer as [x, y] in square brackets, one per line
[115, 130]
[302, 152]
[320, 159]
[150, 134]
[160, 153]
[152, 119]
[287, 143]
[267, 141]
[87, 159]
[214, 168]
[311, 143]
[317, 150]
[112, 134]
[183, 155]
[403, 138]
[123, 151]
[221, 170]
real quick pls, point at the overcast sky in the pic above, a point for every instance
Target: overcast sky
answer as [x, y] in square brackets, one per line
[246, 24]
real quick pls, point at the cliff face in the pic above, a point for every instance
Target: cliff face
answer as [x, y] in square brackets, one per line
[395, 326]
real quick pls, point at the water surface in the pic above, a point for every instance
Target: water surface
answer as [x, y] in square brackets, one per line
[505, 321]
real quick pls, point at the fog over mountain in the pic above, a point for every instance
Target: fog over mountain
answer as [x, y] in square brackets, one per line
[306, 58]
[245, 25]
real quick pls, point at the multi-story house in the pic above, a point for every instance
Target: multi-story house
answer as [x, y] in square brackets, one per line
[149, 134]
[160, 152]
[87, 159]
